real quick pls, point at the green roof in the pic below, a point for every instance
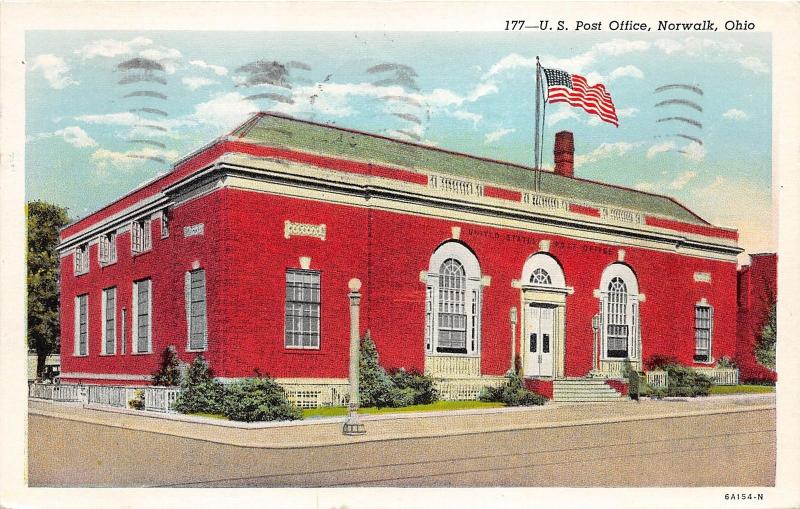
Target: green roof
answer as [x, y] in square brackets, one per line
[279, 131]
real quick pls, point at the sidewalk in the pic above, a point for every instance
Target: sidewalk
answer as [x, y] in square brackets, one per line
[326, 432]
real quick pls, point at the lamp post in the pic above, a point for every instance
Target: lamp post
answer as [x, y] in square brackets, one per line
[512, 315]
[595, 346]
[352, 426]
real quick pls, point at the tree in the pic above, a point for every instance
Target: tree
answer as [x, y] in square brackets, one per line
[765, 346]
[169, 372]
[44, 221]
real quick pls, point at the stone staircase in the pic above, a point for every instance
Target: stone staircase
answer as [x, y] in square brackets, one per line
[587, 390]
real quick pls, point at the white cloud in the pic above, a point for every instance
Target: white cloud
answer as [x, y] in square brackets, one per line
[467, 115]
[481, 90]
[496, 135]
[105, 160]
[694, 46]
[694, 152]
[754, 64]
[681, 180]
[112, 48]
[627, 112]
[217, 69]
[734, 114]
[167, 57]
[54, 70]
[225, 111]
[754, 222]
[510, 62]
[121, 118]
[562, 113]
[76, 137]
[659, 148]
[604, 151]
[195, 82]
[629, 70]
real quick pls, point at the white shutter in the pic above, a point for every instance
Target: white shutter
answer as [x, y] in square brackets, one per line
[148, 240]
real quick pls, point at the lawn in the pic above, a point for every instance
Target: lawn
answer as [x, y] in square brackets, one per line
[310, 413]
[741, 389]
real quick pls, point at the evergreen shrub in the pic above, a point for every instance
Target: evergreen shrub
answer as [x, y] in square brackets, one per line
[199, 391]
[258, 399]
[512, 393]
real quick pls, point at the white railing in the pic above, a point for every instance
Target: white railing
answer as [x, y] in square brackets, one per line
[442, 366]
[111, 395]
[657, 379]
[453, 389]
[316, 395]
[455, 186]
[621, 215]
[54, 392]
[719, 376]
[544, 201]
[160, 399]
[616, 369]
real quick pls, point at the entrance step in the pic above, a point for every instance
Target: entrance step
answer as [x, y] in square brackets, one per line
[584, 390]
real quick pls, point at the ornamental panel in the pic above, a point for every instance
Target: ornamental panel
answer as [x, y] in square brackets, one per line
[291, 229]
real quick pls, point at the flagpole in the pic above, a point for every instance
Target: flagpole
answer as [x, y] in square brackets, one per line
[536, 156]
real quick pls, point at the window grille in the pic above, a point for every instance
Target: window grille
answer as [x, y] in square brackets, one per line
[703, 319]
[452, 307]
[428, 317]
[82, 259]
[107, 250]
[142, 327]
[196, 309]
[141, 236]
[82, 325]
[302, 309]
[617, 332]
[540, 277]
[110, 321]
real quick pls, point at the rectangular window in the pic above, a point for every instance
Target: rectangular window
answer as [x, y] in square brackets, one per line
[142, 312]
[109, 321]
[703, 318]
[82, 259]
[141, 236]
[123, 320]
[107, 248]
[302, 309]
[196, 309]
[165, 224]
[82, 325]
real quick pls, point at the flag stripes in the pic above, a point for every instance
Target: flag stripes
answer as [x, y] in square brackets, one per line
[574, 90]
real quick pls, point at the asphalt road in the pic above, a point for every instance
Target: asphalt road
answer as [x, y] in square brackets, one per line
[736, 449]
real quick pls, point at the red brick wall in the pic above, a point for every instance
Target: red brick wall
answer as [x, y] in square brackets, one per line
[757, 287]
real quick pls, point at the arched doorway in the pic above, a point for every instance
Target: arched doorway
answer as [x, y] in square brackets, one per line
[544, 293]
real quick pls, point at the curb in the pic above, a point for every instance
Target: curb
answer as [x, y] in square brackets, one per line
[345, 440]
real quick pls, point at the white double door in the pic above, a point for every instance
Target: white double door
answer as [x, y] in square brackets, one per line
[539, 338]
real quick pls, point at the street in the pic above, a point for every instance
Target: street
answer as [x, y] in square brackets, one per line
[724, 449]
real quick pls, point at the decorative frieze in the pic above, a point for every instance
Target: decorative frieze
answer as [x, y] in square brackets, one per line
[702, 277]
[291, 229]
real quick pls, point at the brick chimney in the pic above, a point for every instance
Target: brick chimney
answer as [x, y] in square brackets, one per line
[564, 154]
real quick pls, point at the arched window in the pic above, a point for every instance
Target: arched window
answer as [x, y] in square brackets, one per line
[619, 312]
[453, 298]
[540, 277]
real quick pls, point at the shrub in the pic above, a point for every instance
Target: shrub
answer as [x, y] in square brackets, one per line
[137, 402]
[726, 362]
[169, 372]
[765, 345]
[634, 379]
[199, 391]
[685, 381]
[512, 393]
[659, 362]
[258, 399]
[376, 387]
[422, 386]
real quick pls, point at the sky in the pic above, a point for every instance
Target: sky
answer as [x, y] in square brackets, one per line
[106, 111]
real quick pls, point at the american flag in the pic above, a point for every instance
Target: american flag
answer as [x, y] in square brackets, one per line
[574, 90]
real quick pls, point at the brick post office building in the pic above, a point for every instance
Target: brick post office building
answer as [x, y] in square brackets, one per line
[244, 250]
